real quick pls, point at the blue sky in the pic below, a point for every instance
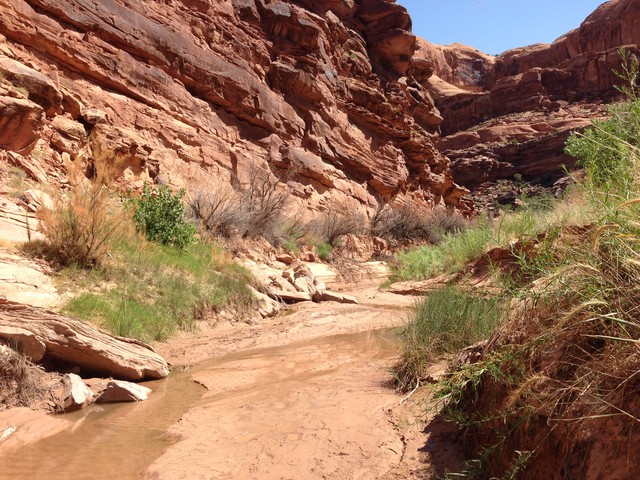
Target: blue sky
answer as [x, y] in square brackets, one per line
[494, 26]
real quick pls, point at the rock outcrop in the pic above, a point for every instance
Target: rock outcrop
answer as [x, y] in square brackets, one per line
[324, 95]
[510, 115]
[56, 338]
[27, 282]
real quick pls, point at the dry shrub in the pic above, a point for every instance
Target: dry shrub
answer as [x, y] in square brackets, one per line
[407, 223]
[216, 209]
[252, 210]
[262, 206]
[340, 218]
[21, 383]
[79, 227]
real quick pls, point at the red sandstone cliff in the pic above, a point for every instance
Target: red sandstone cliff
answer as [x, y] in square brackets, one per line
[511, 114]
[323, 94]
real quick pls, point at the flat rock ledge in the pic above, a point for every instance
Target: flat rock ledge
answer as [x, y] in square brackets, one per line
[43, 335]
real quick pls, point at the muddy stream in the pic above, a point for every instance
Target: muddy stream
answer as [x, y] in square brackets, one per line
[303, 408]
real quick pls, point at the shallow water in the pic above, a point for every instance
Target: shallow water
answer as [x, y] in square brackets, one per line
[107, 441]
[121, 441]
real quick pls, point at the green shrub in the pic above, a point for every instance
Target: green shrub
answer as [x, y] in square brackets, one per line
[160, 215]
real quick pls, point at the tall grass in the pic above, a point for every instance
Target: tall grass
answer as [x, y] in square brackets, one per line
[150, 290]
[448, 256]
[445, 321]
[458, 249]
[568, 357]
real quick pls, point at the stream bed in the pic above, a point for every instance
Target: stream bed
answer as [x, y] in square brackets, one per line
[315, 406]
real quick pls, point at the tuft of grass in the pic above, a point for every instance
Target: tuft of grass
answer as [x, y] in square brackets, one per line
[445, 321]
[450, 255]
[323, 250]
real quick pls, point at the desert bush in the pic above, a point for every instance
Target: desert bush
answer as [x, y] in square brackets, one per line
[339, 218]
[160, 214]
[606, 149]
[400, 223]
[253, 210]
[217, 210]
[407, 223]
[79, 227]
[262, 203]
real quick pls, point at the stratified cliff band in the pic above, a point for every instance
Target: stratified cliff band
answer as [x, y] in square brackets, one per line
[324, 95]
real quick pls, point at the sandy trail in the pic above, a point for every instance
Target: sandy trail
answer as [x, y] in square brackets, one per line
[315, 409]
[312, 402]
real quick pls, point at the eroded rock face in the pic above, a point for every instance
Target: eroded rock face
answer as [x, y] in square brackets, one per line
[510, 115]
[323, 94]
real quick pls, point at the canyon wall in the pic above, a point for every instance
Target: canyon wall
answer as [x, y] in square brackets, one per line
[323, 95]
[511, 114]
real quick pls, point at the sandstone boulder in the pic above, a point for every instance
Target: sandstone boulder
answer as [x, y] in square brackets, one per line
[329, 296]
[25, 281]
[72, 394]
[40, 88]
[28, 344]
[267, 307]
[37, 199]
[290, 297]
[77, 343]
[20, 124]
[116, 391]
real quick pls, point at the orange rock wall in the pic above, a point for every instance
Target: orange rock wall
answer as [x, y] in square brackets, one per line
[320, 94]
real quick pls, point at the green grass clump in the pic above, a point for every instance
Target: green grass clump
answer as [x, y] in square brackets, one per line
[150, 290]
[445, 321]
[450, 255]
[459, 249]
[323, 250]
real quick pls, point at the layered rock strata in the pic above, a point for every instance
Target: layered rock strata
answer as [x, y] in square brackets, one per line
[323, 95]
[511, 114]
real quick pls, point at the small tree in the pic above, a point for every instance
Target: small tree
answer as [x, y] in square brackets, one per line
[160, 215]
